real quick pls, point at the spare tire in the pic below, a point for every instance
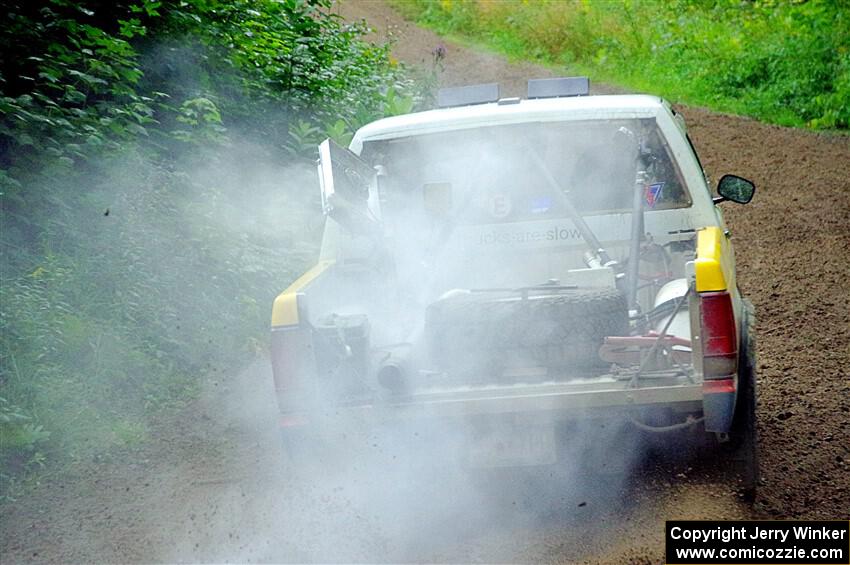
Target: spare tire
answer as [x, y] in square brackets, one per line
[481, 334]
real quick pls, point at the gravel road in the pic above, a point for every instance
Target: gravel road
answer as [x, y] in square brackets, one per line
[214, 485]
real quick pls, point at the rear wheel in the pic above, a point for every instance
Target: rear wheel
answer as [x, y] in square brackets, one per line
[736, 458]
[743, 444]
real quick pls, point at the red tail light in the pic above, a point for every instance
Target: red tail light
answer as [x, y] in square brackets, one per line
[292, 364]
[719, 335]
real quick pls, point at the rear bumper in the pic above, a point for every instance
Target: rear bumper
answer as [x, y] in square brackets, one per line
[550, 400]
[508, 426]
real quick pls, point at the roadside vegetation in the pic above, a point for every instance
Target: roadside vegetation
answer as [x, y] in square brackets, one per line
[157, 189]
[781, 62]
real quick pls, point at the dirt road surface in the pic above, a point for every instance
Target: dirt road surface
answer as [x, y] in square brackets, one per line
[215, 486]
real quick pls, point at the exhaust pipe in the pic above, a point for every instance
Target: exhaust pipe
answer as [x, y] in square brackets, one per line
[394, 372]
[392, 375]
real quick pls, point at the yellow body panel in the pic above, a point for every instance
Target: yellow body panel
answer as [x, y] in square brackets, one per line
[713, 265]
[285, 308]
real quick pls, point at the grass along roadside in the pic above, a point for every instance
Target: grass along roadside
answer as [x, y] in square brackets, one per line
[784, 63]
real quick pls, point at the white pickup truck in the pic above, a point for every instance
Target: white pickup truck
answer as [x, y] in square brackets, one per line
[514, 266]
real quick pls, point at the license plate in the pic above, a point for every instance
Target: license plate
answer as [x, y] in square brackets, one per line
[514, 446]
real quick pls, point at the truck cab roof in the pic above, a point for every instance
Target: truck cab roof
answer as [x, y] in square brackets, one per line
[512, 111]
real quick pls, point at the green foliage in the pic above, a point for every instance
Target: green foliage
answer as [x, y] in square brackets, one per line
[296, 54]
[396, 104]
[202, 122]
[69, 88]
[157, 191]
[784, 62]
[82, 78]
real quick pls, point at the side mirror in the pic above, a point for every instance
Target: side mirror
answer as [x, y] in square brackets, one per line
[736, 189]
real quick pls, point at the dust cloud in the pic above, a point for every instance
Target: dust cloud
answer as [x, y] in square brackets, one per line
[226, 487]
[352, 485]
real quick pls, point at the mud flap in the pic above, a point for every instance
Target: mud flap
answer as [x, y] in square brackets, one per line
[719, 409]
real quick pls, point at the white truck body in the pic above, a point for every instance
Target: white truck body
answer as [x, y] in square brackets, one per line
[689, 234]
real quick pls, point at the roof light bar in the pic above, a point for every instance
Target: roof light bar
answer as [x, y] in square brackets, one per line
[466, 95]
[558, 87]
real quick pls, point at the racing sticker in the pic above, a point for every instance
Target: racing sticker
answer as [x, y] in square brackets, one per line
[541, 204]
[500, 206]
[652, 193]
